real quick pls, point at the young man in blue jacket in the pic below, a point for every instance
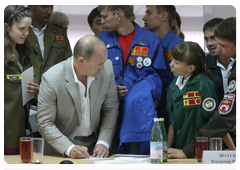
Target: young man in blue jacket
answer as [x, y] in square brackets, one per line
[159, 19]
[140, 74]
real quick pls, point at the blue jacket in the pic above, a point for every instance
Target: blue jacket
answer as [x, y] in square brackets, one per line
[168, 42]
[144, 75]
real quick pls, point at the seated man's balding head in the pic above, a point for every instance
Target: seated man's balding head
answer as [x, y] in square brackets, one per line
[87, 45]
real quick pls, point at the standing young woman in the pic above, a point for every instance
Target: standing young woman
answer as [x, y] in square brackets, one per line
[17, 58]
[192, 97]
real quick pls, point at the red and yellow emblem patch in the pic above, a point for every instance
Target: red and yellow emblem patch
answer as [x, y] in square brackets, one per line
[168, 55]
[58, 37]
[139, 51]
[226, 104]
[191, 94]
[194, 98]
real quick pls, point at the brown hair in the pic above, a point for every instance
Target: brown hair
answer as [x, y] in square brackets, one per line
[192, 54]
[170, 9]
[15, 13]
[126, 9]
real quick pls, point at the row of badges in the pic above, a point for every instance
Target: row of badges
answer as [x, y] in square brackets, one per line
[141, 62]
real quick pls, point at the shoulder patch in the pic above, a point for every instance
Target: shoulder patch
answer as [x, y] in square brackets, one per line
[226, 104]
[209, 104]
[231, 86]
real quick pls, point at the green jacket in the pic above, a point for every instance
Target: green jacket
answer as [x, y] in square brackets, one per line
[15, 115]
[56, 49]
[218, 125]
[190, 108]
[211, 65]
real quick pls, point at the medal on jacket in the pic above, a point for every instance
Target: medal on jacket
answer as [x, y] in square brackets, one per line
[19, 66]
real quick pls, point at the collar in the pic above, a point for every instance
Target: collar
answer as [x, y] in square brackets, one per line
[167, 39]
[37, 30]
[179, 82]
[230, 64]
[140, 37]
[89, 78]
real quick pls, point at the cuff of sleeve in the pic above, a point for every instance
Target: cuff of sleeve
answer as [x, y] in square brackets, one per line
[67, 152]
[189, 150]
[103, 143]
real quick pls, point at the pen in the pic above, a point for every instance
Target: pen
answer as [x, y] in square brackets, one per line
[121, 76]
[81, 146]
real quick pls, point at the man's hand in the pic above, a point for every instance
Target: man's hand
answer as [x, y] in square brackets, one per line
[176, 153]
[32, 88]
[122, 91]
[79, 152]
[100, 151]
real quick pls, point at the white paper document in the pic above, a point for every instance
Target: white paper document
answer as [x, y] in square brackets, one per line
[123, 162]
[26, 76]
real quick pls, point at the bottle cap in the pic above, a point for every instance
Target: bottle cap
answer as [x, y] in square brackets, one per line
[161, 119]
[156, 119]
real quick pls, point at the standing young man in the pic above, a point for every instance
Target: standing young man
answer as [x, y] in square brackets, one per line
[49, 41]
[159, 19]
[94, 22]
[140, 74]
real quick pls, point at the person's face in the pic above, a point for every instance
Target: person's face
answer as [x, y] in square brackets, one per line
[210, 41]
[175, 29]
[225, 49]
[179, 68]
[96, 64]
[109, 20]
[152, 18]
[97, 27]
[41, 13]
[18, 32]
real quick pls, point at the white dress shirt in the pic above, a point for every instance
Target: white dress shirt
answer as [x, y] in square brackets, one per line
[226, 73]
[40, 35]
[85, 128]
[181, 83]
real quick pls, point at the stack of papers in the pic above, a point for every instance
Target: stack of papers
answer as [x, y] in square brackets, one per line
[124, 162]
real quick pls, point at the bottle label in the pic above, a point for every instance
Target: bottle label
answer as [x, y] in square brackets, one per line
[156, 150]
[165, 151]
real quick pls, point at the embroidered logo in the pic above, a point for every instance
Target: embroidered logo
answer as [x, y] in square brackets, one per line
[226, 104]
[139, 51]
[191, 98]
[58, 37]
[14, 77]
[209, 104]
[168, 55]
[191, 94]
[231, 86]
[131, 60]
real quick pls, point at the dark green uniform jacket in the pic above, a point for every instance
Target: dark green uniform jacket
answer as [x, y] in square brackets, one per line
[56, 49]
[190, 108]
[218, 125]
[211, 65]
[15, 115]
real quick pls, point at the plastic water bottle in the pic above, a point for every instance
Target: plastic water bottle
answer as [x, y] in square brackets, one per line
[156, 143]
[165, 140]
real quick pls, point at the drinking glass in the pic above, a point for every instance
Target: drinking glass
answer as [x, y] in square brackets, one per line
[215, 144]
[38, 144]
[26, 149]
[201, 144]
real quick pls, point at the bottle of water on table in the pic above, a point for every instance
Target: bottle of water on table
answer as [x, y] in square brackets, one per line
[156, 143]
